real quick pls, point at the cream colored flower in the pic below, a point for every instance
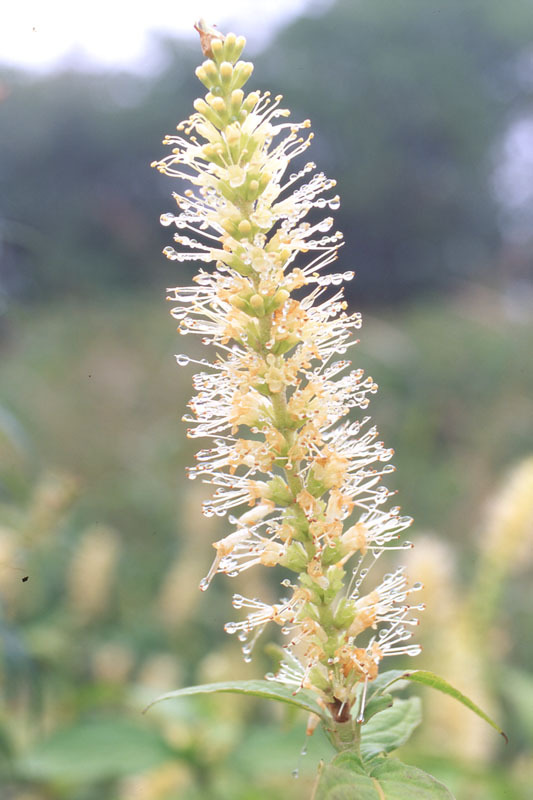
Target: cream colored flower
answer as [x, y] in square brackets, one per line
[279, 401]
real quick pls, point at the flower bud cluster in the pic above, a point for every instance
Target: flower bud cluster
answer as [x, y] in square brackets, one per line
[292, 459]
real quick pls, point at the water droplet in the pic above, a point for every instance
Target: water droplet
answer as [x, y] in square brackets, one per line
[166, 219]
[295, 773]
[325, 225]
[417, 586]
[182, 360]
[204, 584]
[231, 627]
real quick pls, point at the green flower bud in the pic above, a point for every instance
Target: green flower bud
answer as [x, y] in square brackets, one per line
[235, 100]
[295, 557]
[335, 574]
[279, 492]
[251, 101]
[332, 554]
[241, 73]
[258, 305]
[344, 614]
[226, 74]
[217, 48]
[319, 679]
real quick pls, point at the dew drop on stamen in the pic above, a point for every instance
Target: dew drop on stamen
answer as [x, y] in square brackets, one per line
[231, 627]
[182, 360]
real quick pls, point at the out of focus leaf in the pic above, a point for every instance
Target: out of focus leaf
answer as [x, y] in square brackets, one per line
[391, 728]
[436, 682]
[346, 778]
[96, 750]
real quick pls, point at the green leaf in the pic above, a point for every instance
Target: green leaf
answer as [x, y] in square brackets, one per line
[376, 705]
[346, 778]
[391, 728]
[436, 682]
[383, 681]
[96, 750]
[267, 689]
[377, 700]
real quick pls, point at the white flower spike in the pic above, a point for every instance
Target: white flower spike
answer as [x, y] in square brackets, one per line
[291, 455]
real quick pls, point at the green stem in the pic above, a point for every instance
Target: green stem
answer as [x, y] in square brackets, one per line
[345, 735]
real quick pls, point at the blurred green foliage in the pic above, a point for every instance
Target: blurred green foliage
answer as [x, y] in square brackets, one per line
[410, 103]
[111, 616]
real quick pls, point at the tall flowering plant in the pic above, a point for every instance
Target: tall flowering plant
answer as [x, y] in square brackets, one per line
[295, 463]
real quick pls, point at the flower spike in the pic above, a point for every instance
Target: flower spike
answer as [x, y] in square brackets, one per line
[292, 458]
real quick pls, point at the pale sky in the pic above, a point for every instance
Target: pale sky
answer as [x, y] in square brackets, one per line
[40, 34]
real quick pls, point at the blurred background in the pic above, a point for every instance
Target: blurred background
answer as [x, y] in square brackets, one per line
[424, 114]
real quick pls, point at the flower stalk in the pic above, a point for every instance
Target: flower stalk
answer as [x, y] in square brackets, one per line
[295, 464]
